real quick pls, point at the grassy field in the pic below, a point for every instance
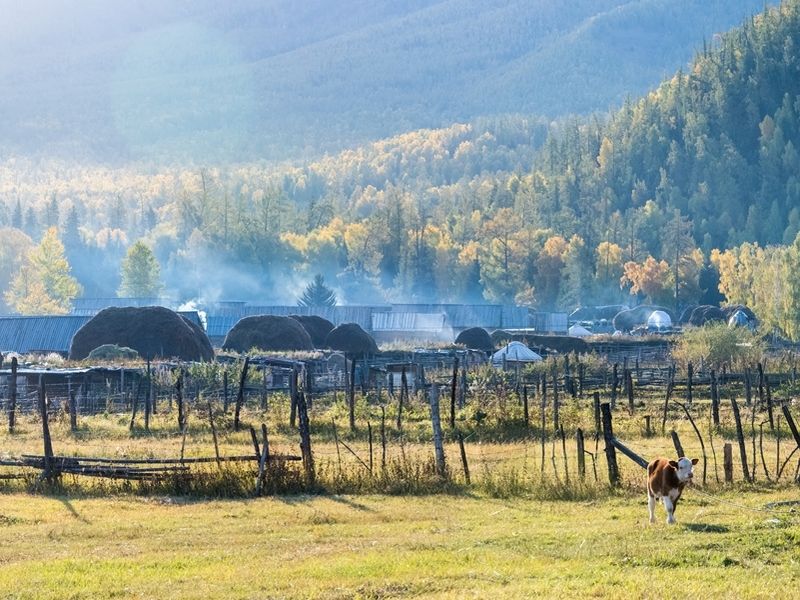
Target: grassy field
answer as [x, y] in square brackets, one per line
[438, 546]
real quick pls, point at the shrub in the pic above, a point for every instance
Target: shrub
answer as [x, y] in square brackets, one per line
[717, 344]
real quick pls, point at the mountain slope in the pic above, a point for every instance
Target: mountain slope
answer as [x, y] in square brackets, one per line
[202, 81]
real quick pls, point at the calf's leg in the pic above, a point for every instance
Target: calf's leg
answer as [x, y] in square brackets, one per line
[670, 507]
[651, 506]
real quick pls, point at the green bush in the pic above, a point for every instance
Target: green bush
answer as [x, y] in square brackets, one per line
[717, 344]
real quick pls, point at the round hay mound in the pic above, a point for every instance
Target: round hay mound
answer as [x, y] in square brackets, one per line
[687, 314]
[733, 308]
[352, 339]
[153, 331]
[706, 314]
[267, 332]
[112, 352]
[628, 320]
[317, 327]
[475, 338]
[501, 337]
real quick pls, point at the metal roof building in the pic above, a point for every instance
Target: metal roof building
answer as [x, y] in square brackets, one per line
[25, 335]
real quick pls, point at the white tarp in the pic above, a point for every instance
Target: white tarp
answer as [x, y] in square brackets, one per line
[579, 331]
[659, 320]
[515, 352]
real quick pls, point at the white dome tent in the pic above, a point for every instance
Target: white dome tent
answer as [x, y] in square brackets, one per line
[514, 352]
[579, 331]
[659, 321]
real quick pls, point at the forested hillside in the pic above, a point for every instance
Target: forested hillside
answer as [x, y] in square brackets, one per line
[671, 199]
[203, 81]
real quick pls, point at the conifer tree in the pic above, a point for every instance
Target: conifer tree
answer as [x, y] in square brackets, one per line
[317, 294]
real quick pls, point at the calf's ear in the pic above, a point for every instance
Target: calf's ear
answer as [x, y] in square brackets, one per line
[695, 461]
[673, 464]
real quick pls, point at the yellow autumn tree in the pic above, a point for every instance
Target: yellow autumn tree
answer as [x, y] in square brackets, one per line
[43, 284]
[652, 278]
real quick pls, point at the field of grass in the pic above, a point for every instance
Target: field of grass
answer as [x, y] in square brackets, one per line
[525, 526]
[440, 546]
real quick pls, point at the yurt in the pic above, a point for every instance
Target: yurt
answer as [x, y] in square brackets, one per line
[514, 352]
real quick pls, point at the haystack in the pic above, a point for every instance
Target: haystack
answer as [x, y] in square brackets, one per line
[475, 338]
[351, 339]
[153, 331]
[706, 313]
[628, 320]
[317, 327]
[267, 332]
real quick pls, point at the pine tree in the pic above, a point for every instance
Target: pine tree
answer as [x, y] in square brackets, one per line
[317, 294]
[141, 273]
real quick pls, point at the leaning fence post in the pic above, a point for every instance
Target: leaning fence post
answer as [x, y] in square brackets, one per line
[740, 439]
[581, 454]
[12, 391]
[676, 441]
[305, 440]
[437, 431]
[608, 436]
[790, 421]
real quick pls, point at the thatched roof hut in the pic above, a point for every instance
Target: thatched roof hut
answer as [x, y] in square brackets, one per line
[351, 339]
[153, 331]
[267, 332]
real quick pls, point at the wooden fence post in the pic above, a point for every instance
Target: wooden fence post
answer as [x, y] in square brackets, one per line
[436, 424]
[740, 439]
[790, 421]
[179, 400]
[293, 398]
[699, 437]
[676, 441]
[670, 388]
[614, 385]
[403, 393]
[305, 441]
[748, 387]
[596, 407]
[760, 385]
[147, 398]
[351, 397]
[525, 405]
[727, 461]
[225, 391]
[581, 454]
[555, 398]
[240, 394]
[714, 399]
[453, 391]
[647, 430]
[629, 379]
[689, 377]
[12, 392]
[608, 436]
[73, 412]
[770, 414]
[464, 458]
[48, 443]
[564, 452]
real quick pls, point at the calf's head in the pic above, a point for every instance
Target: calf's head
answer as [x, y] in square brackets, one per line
[683, 466]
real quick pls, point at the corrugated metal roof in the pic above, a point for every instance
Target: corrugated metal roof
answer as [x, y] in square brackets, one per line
[92, 306]
[462, 316]
[407, 321]
[39, 334]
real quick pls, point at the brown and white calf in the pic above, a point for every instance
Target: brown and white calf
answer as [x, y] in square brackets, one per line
[666, 480]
